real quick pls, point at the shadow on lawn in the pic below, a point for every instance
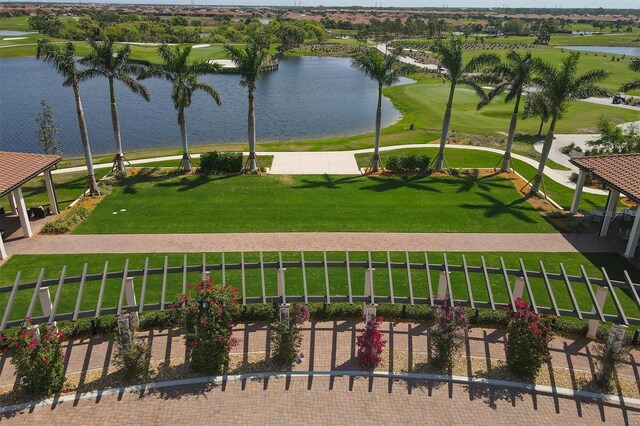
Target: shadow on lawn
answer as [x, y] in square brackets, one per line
[383, 184]
[328, 182]
[498, 207]
[484, 183]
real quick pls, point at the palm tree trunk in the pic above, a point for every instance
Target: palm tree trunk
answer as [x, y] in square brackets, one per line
[84, 136]
[186, 161]
[540, 128]
[115, 123]
[548, 141]
[376, 150]
[445, 129]
[512, 133]
[252, 134]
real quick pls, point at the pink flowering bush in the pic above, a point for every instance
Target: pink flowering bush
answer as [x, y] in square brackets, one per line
[370, 344]
[286, 337]
[447, 335]
[208, 317]
[527, 347]
[38, 360]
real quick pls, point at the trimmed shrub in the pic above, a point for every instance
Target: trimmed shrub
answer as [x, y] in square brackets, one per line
[208, 317]
[38, 361]
[286, 337]
[370, 344]
[217, 163]
[407, 163]
[447, 335]
[528, 339]
[66, 221]
[606, 364]
[133, 359]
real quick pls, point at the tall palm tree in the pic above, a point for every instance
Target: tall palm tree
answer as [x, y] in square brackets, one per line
[183, 76]
[104, 61]
[62, 59]
[632, 85]
[457, 72]
[516, 73]
[249, 61]
[560, 86]
[384, 70]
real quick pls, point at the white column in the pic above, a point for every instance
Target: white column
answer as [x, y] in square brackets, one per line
[518, 291]
[45, 302]
[633, 237]
[601, 297]
[53, 201]
[206, 276]
[610, 211]
[280, 282]
[3, 251]
[22, 213]
[616, 337]
[12, 203]
[442, 285]
[130, 295]
[582, 176]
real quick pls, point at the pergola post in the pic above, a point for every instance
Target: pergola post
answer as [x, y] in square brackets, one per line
[610, 211]
[633, 238]
[53, 201]
[582, 176]
[22, 213]
[3, 251]
[12, 203]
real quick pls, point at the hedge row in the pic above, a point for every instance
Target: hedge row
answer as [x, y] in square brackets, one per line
[217, 163]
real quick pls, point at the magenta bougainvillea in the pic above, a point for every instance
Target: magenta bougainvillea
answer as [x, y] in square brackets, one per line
[527, 347]
[370, 344]
[447, 335]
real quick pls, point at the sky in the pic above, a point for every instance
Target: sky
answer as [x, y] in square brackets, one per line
[613, 4]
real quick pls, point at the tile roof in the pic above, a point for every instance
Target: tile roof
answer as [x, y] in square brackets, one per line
[621, 171]
[17, 168]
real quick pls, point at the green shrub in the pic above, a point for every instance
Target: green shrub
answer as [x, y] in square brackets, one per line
[407, 163]
[285, 336]
[133, 359]
[66, 221]
[216, 163]
[38, 361]
[447, 335]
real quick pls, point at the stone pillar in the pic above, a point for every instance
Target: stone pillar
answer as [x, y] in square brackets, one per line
[610, 213]
[124, 329]
[578, 193]
[22, 213]
[442, 285]
[12, 203]
[616, 337]
[280, 282]
[284, 311]
[518, 291]
[634, 236]
[206, 276]
[370, 311]
[368, 283]
[3, 251]
[45, 303]
[130, 294]
[53, 201]
[601, 297]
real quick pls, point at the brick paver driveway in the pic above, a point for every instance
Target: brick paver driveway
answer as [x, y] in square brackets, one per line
[324, 400]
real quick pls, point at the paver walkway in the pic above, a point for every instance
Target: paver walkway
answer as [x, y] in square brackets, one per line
[313, 241]
[328, 346]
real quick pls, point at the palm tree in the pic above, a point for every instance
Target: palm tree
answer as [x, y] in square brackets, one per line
[384, 70]
[183, 77]
[250, 65]
[104, 61]
[536, 105]
[632, 85]
[515, 73]
[62, 60]
[559, 87]
[457, 72]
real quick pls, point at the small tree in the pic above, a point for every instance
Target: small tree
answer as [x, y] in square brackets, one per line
[447, 335]
[370, 344]
[286, 337]
[48, 131]
[208, 317]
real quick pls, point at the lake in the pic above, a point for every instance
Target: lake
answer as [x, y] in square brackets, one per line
[308, 97]
[630, 51]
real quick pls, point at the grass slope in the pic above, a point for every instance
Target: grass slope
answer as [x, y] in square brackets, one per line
[313, 203]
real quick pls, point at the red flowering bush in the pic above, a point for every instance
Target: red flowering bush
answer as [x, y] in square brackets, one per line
[286, 337]
[370, 344]
[37, 359]
[447, 335]
[208, 316]
[528, 340]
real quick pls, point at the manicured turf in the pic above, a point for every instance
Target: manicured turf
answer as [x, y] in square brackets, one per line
[313, 203]
[30, 267]
[458, 158]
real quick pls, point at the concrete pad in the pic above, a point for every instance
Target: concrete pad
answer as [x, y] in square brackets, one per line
[314, 163]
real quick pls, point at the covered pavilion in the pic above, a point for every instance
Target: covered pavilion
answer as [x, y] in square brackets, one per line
[621, 175]
[16, 169]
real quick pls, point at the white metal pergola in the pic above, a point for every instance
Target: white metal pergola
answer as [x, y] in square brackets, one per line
[621, 175]
[16, 169]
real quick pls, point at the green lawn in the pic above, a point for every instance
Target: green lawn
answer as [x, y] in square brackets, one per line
[30, 267]
[458, 158]
[313, 203]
